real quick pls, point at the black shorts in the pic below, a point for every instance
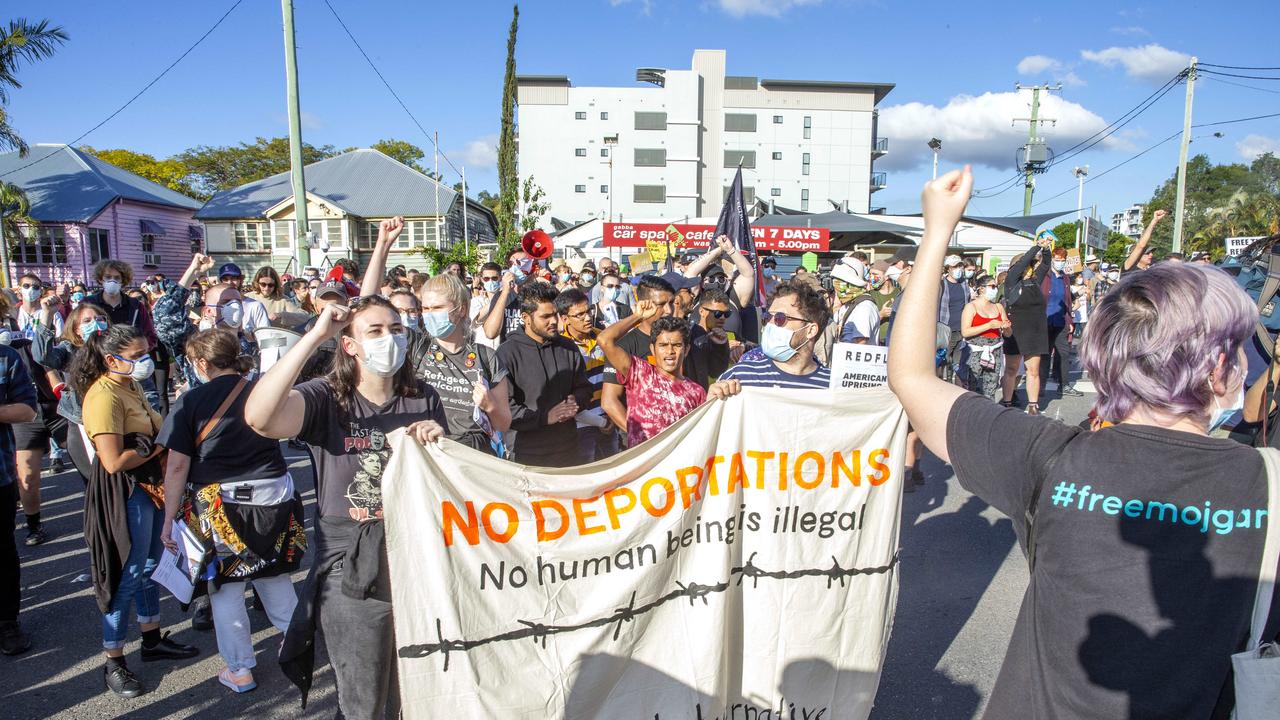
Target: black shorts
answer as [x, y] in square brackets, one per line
[35, 435]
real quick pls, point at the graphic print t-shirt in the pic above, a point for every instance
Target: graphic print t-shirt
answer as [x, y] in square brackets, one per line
[655, 401]
[350, 447]
[453, 375]
[512, 323]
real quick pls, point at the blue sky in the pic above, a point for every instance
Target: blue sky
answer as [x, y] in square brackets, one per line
[954, 64]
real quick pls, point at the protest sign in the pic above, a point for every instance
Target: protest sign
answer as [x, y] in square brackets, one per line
[640, 263]
[1237, 245]
[743, 563]
[1074, 263]
[858, 366]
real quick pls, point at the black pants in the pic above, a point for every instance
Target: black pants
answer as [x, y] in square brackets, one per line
[1060, 369]
[10, 572]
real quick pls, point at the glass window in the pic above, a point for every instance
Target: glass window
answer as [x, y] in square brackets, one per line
[99, 244]
[650, 193]
[808, 127]
[251, 237]
[604, 188]
[777, 119]
[651, 121]
[366, 235]
[604, 152]
[579, 152]
[804, 164]
[748, 194]
[148, 243]
[579, 188]
[650, 157]
[732, 158]
[580, 115]
[739, 122]
[604, 116]
[777, 156]
[281, 233]
[775, 192]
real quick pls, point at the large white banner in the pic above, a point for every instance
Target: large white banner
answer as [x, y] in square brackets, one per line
[743, 564]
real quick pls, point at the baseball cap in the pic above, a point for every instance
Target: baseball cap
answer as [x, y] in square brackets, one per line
[230, 270]
[688, 258]
[905, 254]
[952, 260]
[880, 266]
[1090, 259]
[680, 282]
[770, 262]
[850, 270]
[332, 288]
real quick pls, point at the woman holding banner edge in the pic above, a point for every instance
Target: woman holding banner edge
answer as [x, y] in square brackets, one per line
[1110, 612]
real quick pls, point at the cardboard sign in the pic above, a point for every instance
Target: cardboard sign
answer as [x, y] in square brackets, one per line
[1237, 245]
[809, 261]
[640, 263]
[1074, 265]
[858, 366]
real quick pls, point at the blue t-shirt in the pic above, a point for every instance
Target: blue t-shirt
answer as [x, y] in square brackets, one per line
[757, 370]
[1056, 307]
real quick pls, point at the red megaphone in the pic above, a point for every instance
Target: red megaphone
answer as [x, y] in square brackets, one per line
[537, 244]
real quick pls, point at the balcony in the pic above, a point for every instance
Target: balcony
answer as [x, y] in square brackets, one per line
[879, 147]
[879, 181]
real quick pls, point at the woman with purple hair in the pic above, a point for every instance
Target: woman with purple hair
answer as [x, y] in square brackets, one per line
[1143, 538]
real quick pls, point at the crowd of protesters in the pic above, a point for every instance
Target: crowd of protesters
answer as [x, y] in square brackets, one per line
[171, 399]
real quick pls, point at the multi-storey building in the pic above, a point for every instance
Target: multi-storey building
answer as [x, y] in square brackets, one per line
[670, 148]
[1128, 221]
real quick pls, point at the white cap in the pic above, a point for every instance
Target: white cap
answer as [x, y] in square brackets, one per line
[850, 270]
[1090, 258]
[952, 260]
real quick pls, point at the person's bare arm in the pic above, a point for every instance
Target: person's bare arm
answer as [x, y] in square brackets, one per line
[1254, 398]
[388, 231]
[926, 398]
[177, 467]
[16, 413]
[696, 268]
[496, 403]
[274, 409]
[492, 323]
[613, 406]
[744, 284]
[967, 328]
[619, 358]
[1136, 253]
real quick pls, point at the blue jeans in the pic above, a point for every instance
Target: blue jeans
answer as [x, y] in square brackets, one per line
[595, 444]
[145, 523]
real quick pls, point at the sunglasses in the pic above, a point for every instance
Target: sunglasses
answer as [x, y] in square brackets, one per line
[780, 319]
[266, 284]
[721, 314]
[490, 278]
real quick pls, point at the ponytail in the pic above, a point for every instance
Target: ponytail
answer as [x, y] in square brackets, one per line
[90, 362]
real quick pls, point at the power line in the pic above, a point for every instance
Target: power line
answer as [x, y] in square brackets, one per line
[1238, 120]
[1238, 75]
[1235, 67]
[1241, 85]
[389, 88]
[145, 88]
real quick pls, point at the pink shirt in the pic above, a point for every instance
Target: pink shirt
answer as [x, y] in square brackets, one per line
[655, 401]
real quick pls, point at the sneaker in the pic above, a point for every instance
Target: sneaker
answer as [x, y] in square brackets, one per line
[1072, 391]
[12, 640]
[35, 537]
[240, 681]
[1033, 408]
[121, 681]
[202, 615]
[167, 649]
[57, 466]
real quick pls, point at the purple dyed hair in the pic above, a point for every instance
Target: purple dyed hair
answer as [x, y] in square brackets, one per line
[1156, 337]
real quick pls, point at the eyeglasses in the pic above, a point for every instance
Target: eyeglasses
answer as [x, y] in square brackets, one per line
[579, 316]
[721, 314]
[780, 319]
[28, 286]
[490, 278]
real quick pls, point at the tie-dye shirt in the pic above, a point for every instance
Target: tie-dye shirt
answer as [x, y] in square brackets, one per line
[655, 401]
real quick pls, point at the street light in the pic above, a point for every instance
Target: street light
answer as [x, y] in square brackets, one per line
[1081, 173]
[935, 145]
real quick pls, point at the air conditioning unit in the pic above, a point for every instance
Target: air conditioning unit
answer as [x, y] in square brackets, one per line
[151, 259]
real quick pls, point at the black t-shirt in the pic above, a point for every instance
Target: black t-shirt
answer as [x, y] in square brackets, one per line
[512, 323]
[232, 452]
[1130, 612]
[453, 375]
[350, 447]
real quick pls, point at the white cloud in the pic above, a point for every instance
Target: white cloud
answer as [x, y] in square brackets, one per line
[771, 8]
[1136, 30]
[1036, 64]
[978, 129]
[646, 6]
[1151, 62]
[480, 153]
[1254, 145]
[1071, 79]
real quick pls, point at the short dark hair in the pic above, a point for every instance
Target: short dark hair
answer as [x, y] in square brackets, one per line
[535, 293]
[568, 298]
[33, 276]
[513, 251]
[813, 306]
[667, 324]
[650, 284]
[713, 295]
[491, 266]
[348, 266]
[859, 255]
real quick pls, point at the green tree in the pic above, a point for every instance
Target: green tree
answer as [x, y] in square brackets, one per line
[488, 199]
[171, 173]
[22, 42]
[1209, 187]
[508, 180]
[402, 150]
[220, 168]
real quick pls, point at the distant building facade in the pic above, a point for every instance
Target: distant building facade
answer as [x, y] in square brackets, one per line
[1129, 221]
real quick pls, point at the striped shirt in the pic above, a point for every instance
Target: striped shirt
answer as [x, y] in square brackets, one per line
[593, 354]
[757, 370]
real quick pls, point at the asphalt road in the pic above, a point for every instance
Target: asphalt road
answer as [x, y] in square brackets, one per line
[962, 581]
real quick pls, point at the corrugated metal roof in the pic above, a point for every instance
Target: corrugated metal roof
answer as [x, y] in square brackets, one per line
[363, 182]
[67, 185]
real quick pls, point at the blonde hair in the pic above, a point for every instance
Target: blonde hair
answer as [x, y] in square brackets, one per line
[448, 285]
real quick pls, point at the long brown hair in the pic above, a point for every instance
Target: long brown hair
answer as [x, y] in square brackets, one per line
[90, 362]
[220, 348]
[268, 272]
[71, 328]
[344, 376]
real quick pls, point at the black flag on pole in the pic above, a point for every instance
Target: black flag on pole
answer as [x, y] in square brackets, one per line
[733, 223]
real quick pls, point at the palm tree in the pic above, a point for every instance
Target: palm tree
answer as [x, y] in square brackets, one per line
[20, 42]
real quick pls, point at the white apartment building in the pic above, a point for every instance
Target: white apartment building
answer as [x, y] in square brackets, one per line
[670, 148]
[1128, 221]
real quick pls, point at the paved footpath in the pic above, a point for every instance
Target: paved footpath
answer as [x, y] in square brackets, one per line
[962, 580]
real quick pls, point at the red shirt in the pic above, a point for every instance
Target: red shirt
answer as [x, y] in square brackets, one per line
[655, 401]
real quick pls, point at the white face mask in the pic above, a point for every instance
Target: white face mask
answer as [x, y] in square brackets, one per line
[992, 294]
[384, 355]
[1222, 414]
[140, 369]
[111, 287]
[1113, 276]
[1059, 265]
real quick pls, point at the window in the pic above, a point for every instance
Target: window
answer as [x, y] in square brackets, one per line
[651, 157]
[804, 164]
[777, 156]
[282, 232]
[777, 119]
[580, 116]
[651, 121]
[748, 194]
[416, 233]
[604, 188]
[579, 152]
[739, 122]
[734, 158]
[251, 237]
[804, 199]
[604, 152]
[604, 116]
[42, 245]
[148, 243]
[775, 192]
[808, 127]
[650, 193]
[99, 244]
[579, 188]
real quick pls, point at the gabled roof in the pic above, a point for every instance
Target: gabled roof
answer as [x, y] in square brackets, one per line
[67, 185]
[363, 182]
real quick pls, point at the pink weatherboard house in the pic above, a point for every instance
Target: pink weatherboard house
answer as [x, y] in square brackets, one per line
[88, 210]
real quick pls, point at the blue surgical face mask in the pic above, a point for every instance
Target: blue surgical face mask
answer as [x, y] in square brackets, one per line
[409, 321]
[437, 323]
[492, 285]
[92, 327]
[610, 294]
[563, 277]
[587, 279]
[77, 297]
[957, 274]
[1059, 265]
[775, 343]
[1220, 414]
[968, 274]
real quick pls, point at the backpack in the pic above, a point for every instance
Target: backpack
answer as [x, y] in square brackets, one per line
[826, 342]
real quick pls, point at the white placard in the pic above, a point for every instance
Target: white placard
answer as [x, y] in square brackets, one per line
[858, 366]
[1237, 245]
